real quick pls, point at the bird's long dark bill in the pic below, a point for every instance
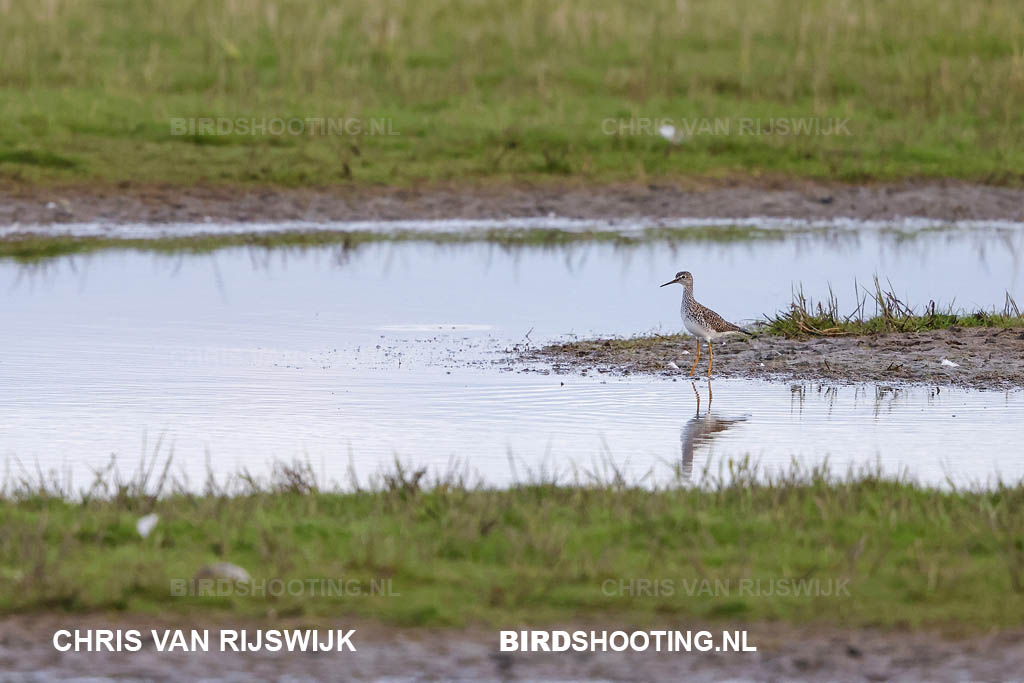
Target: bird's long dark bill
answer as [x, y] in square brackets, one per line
[668, 283]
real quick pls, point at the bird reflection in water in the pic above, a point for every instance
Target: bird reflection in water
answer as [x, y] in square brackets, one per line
[700, 430]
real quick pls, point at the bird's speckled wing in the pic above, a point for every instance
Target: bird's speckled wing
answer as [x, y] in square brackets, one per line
[717, 322]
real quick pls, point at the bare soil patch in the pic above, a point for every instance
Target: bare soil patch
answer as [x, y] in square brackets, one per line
[707, 198]
[984, 357]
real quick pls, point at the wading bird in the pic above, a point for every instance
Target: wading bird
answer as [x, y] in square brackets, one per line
[701, 321]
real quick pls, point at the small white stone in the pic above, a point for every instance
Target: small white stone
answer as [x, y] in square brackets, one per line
[146, 524]
[673, 365]
[950, 364]
[222, 570]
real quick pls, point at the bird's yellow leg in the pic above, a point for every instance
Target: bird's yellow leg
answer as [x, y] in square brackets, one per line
[712, 360]
[694, 368]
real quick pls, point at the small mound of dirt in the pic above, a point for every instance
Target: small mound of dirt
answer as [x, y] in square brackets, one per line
[975, 357]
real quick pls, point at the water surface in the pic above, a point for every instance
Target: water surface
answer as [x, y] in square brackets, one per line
[352, 358]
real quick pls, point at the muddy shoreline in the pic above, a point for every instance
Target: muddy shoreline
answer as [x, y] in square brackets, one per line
[984, 358]
[784, 653]
[697, 198]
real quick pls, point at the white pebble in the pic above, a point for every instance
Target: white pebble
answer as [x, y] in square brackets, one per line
[222, 570]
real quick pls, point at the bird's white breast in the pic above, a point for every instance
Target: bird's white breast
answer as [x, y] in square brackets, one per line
[691, 325]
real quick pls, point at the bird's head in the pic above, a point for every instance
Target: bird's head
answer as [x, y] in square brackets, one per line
[683, 277]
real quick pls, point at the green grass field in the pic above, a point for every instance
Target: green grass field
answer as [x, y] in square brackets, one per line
[519, 90]
[854, 551]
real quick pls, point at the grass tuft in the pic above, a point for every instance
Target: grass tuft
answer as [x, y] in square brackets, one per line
[35, 158]
[881, 310]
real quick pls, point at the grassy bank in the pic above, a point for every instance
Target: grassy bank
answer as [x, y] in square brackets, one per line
[452, 89]
[860, 550]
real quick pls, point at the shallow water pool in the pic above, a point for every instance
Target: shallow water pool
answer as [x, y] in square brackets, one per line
[349, 359]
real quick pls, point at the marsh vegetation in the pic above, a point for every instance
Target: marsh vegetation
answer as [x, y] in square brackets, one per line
[541, 551]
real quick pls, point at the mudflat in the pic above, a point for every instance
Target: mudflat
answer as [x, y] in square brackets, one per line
[975, 357]
[784, 652]
[697, 197]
